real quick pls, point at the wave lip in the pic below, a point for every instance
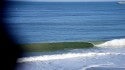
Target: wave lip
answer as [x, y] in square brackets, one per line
[113, 43]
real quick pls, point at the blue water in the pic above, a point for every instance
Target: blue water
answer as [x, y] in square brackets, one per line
[33, 22]
[54, 22]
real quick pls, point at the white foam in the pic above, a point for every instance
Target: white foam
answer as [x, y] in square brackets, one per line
[61, 56]
[113, 43]
[97, 65]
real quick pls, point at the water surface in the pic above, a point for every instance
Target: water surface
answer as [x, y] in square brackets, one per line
[60, 22]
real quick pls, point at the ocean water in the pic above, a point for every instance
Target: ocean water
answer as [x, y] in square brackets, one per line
[54, 22]
[33, 22]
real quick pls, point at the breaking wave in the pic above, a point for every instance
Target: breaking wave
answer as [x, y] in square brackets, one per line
[113, 43]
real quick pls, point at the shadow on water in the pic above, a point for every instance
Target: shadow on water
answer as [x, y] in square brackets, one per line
[9, 51]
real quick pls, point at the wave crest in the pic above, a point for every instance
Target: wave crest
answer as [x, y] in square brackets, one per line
[113, 43]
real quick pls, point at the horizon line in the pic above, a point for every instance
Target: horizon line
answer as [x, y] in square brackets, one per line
[64, 1]
[60, 1]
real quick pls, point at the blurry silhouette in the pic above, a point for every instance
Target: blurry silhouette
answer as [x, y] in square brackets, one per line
[9, 51]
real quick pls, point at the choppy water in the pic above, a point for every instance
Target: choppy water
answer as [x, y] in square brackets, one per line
[47, 22]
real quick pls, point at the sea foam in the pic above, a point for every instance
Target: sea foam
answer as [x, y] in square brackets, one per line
[113, 43]
[62, 56]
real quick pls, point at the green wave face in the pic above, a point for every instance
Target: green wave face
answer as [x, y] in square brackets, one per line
[42, 47]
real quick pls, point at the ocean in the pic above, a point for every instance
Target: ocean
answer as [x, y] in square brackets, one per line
[56, 22]
[43, 22]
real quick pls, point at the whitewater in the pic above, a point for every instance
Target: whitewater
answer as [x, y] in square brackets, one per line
[108, 55]
[113, 43]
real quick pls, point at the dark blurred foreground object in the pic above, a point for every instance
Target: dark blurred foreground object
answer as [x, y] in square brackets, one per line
[9, 51]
